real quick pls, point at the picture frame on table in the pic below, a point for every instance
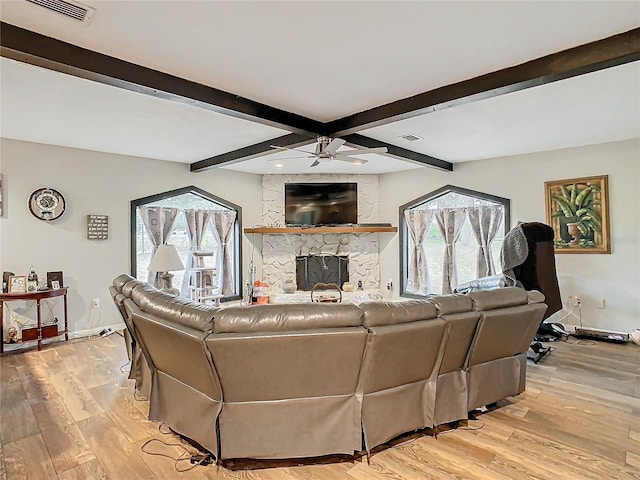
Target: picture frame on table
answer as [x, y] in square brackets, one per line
[17, 284]
[578, 211]
[55, 285]
[54, 277]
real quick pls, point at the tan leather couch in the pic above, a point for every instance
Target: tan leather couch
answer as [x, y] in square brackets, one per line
[287, 381]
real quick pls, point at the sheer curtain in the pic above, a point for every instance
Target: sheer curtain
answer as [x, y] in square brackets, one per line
[450, 222]
[223, 221]
[418, 222]
[197, 223]
[484, 224]
[158, 223]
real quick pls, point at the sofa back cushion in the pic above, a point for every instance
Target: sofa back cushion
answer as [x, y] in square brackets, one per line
[498, 298]
[178, 351]
[272, 365]
[174, 309]
[393, 313]
[454, 303]
[287, 317]
[402, 354]
[505, 332]
[463, 329]
[121, 280]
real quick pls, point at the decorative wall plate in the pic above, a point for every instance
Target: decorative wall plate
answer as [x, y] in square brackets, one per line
[46, 204]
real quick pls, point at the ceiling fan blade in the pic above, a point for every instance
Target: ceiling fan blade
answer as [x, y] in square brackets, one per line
[357, 161]
[315, 163]
[289, 158]
[335, 144]
[363, 151]
[290, 149]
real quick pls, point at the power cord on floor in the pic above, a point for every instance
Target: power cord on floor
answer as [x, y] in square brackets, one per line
[196, 459]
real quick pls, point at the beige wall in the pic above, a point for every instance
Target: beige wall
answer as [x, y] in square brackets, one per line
[614, 278]
[102, 183]
[94, 183]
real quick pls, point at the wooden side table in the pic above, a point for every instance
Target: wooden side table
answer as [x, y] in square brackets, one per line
[37, 297]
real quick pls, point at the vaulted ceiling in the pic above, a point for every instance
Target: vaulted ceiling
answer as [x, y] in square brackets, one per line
[216, 84]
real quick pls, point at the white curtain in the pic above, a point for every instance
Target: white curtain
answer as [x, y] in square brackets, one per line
[158, 223]
[418, 222]
[450, 222]
[197, 223]
[223, 221]
[484, 224]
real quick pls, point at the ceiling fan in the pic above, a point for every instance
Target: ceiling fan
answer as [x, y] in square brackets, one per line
[327, 150]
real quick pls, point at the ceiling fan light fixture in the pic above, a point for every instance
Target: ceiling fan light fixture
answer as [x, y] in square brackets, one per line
[410, 137]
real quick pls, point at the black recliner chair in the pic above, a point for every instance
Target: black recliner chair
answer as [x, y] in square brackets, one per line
[527, 260]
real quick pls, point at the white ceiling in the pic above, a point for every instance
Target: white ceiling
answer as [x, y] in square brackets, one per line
[323, 60]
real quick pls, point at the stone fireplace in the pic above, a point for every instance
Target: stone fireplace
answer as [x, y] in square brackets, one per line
[358, 251]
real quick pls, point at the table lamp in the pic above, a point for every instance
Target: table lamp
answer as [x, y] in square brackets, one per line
[166, 260]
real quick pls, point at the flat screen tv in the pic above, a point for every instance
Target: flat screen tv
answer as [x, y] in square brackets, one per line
[320, 203]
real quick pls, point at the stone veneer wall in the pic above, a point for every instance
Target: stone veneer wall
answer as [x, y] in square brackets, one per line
[279, 251]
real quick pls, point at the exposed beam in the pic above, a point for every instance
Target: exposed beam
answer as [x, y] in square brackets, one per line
[33, 48]
[356, 140]
[590, 57]
[293, 140]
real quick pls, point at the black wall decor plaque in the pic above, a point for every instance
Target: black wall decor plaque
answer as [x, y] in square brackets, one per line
[97, 227]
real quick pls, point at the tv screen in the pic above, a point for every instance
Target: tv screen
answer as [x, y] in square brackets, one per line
[320, 203]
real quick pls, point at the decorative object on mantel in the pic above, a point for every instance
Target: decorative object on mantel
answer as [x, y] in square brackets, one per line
[578, 212]
[347, 287]
[46, 204]
[97, 227]
[289, 286]
[166, 260]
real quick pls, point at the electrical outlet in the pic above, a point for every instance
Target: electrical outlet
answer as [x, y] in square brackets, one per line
[389, 284]
[95, 303]
[106, 331]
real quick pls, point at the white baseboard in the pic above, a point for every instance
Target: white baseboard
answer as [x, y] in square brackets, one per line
[89, 332]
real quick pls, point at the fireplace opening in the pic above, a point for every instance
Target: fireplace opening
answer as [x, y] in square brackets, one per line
[321, 268]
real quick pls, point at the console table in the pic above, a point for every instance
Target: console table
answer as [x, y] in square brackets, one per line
[37, 297]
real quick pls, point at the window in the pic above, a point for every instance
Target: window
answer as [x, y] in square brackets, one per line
[474, 225]
[204, 229]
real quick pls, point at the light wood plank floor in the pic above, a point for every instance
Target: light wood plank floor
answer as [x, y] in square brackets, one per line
[69, 412]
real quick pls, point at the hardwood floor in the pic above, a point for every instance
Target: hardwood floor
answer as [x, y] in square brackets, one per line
[69, 412]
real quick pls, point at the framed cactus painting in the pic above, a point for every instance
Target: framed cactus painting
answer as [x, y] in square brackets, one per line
[578, 211]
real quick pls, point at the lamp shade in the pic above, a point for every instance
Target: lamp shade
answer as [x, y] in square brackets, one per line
[165, 259]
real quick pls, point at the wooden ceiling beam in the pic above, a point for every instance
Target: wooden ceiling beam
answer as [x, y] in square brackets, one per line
[35, 49]
[357, 140]
[590, 57]
[293, 140]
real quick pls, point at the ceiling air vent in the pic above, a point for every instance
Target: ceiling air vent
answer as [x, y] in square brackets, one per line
[75, 10]
[410, 137]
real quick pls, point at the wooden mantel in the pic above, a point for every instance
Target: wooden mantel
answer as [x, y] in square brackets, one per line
[311, 230]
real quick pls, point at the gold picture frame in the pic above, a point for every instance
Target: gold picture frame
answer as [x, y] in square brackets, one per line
[578, 211]
[17, 284]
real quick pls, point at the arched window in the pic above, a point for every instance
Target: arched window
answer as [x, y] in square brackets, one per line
[204, 229]
[448, 237]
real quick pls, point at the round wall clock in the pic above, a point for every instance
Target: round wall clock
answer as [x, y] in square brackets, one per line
[46, 204]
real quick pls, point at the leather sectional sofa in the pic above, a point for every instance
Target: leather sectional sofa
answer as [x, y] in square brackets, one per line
[302, 380]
